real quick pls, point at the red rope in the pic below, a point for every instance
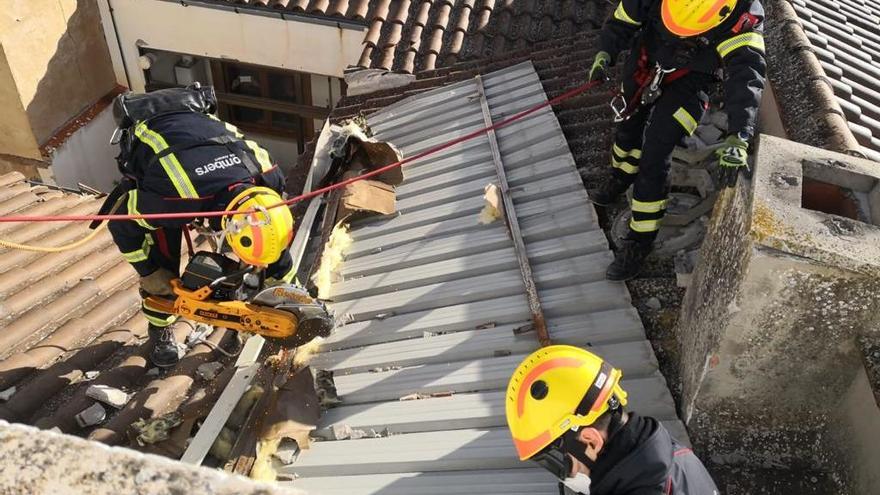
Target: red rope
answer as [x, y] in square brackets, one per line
[206, 214]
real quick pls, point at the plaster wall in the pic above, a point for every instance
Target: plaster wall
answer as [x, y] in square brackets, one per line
[284, 151]
[860, 434]
[244, 37]
[87, 157]
[16, 137]
[57, 55]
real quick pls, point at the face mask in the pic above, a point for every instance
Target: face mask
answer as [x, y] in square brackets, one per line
[580, 483]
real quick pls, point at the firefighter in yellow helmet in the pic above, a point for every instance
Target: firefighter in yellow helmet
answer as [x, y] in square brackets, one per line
[566, 412]
[175, 156]
[677, 48]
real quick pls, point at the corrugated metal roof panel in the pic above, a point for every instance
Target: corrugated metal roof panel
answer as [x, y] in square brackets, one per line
[437, 302]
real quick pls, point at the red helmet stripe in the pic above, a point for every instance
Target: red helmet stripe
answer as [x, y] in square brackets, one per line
[257, 234]
[713, 11]
[565, 362]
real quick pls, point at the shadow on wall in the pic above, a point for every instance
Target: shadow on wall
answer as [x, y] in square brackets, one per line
[79, 71]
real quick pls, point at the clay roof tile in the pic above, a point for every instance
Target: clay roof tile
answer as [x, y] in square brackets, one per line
[299, 5]
[337, 8]
[318, 6]
[372, 37]
[402, 12]
[357, 9]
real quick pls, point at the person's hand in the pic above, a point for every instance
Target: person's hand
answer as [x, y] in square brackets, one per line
[599, 70]
[158, 283]
[732, 159]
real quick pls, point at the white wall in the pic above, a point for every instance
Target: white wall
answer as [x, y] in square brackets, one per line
[283, 151]
[87, 156]
[224, 34]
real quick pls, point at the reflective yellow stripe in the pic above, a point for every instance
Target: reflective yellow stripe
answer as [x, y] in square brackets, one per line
[160, 322]
[644, 225]
[754, 40]
[261, 154]
[621, 15]
[625, 154]
[169, 162]
[133, 210]
[626, 167]
[648, 206]
[139, 255]
[686, 120]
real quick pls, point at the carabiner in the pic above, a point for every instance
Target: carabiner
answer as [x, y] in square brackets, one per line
[618, 106]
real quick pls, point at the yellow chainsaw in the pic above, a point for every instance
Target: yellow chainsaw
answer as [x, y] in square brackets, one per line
[216, 290]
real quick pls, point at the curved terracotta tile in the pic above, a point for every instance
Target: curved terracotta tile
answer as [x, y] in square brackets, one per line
[299, 5]
[381, 12]
[424, 11]
[364, 61]
[357, 9]
[442, 18]
[402, 12]
[318, 6]
[372, 37]
[279, 4]
[337, 8]
[394, 35]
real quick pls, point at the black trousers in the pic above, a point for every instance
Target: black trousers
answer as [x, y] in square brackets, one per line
[165, 253]
[643, 146]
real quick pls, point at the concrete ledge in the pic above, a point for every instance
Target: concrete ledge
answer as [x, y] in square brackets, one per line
[38, 462]
[787, 284]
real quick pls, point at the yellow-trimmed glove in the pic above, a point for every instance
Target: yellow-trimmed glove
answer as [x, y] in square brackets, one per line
[732, 159]
[158, 283]
[599, 70]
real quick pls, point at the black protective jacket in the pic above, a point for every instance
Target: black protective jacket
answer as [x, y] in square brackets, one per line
[643, 459]
[736, 46]
[185, 162]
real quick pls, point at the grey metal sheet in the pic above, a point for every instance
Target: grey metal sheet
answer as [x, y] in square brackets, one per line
[464, 266]
[454, 450]
[433, 299]
[525, 481]
[536, 227]
[464, 244]
[593, 328]
[477, 410]
[586, 280]
[634, 358]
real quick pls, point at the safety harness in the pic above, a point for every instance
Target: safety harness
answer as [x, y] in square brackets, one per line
[133, 110]
[650, 79]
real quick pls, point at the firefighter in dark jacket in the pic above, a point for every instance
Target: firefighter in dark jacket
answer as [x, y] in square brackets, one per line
[677, 49]
[565, 411]
[181, 158]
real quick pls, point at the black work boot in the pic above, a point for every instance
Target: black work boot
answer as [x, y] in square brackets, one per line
[608, 193]
[164, 353]
[628, 259]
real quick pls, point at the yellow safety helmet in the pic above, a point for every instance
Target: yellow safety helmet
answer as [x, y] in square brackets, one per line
[258, 238]
[556, 389]
[687, 18]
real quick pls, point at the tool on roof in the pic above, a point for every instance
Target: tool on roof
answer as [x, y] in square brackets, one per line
[220, 291]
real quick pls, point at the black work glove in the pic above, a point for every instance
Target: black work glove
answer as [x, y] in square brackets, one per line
[732, 159]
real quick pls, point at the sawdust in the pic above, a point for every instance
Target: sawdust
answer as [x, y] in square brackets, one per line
[494, 208]
[331, 258]
[305, 353]
[263, 469]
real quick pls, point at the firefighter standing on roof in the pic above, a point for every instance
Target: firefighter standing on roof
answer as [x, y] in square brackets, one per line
[177, 157]
[677, 48]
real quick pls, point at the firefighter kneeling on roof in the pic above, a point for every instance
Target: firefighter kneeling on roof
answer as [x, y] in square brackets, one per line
[565, 411]
[676, 49]
[175, 156]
